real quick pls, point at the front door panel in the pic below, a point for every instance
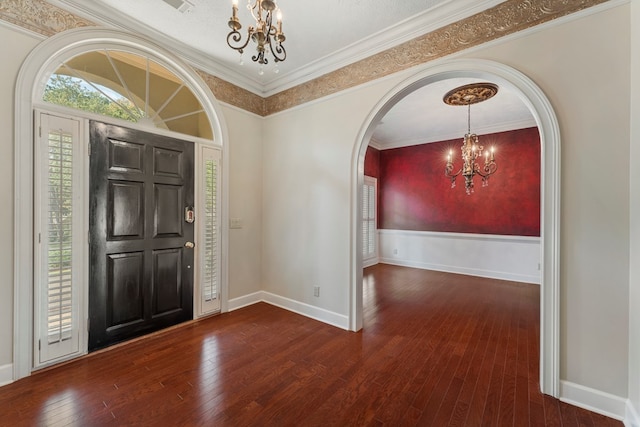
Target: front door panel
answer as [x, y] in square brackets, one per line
[141, 273]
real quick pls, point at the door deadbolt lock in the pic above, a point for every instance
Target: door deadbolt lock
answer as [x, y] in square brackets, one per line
[189, 214]
[189, 245]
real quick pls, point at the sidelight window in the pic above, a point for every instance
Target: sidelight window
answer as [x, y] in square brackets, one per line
[58, 237]
[210, 232]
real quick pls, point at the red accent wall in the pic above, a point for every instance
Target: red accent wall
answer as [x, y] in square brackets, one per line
[414, 193]
[372, 162]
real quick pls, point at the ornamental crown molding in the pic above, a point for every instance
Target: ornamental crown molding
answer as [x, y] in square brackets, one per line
[501, 20]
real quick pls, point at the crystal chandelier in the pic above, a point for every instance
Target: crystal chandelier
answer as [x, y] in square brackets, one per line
[471, 148]
[266, 36]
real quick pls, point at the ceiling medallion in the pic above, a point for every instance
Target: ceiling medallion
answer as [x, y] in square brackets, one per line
[470, 94]
[471, 149]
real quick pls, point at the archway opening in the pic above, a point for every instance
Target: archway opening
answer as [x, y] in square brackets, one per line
[546, 122]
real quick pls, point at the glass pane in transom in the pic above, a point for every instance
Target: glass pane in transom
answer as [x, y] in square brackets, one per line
[131, 87]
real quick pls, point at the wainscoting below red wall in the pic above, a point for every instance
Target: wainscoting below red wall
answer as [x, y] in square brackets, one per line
[414, 193]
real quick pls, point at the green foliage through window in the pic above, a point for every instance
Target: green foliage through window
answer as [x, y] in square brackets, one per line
[76, 93]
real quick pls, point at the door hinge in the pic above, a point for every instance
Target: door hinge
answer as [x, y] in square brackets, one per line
[89, 149]
[39, 238]
[39, 345]
[39, 131]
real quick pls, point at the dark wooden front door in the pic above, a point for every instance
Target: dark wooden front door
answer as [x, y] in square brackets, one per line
[141, 272]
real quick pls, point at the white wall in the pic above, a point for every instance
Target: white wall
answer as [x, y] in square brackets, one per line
[307, 188]
[513, 258]
[306, 200]
[634, 234]
[245, 200]
[589, 94]
[16, 45]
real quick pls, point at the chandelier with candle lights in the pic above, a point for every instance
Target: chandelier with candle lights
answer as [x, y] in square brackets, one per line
[471, 148]
[266, 36]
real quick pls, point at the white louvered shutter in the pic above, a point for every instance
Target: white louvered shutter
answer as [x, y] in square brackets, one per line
[59, 243]
[210, 232]
[369, 227]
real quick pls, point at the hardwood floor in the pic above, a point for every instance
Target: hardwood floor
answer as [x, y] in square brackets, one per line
[437, 349]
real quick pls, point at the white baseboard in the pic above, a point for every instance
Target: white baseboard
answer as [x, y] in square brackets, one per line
[245, 300]
[369, 262]
[631, 419]
[593, 400]
[6, 374]
[307, 310]
[499, 275]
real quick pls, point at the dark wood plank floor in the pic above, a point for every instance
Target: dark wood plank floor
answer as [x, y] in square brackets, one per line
[437, 349]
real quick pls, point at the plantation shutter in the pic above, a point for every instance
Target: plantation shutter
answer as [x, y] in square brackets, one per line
[210, 234]
[59, 243]
[369, 230]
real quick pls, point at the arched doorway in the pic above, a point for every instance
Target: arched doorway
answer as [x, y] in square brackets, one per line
[44, 61]
[548, 127]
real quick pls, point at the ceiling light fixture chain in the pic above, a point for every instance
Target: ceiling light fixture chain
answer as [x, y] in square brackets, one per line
[471, 148]
[266, 36]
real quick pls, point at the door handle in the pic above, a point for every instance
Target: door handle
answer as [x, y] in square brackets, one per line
[189, 245]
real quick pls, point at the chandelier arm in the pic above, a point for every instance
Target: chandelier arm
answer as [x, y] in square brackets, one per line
[448, 169]
[278, 52]
[235, 37]
[252, 10]
[487, 170]
[260, 58]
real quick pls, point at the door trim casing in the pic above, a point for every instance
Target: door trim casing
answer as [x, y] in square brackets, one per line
[35, 70]
[539, 105]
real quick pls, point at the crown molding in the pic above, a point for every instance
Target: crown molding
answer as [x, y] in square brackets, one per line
[508, 19]
[376, 144]
[480, 131]
[425, 22]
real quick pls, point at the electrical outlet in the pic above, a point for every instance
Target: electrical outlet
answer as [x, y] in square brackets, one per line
[316, 291]
[395, 252]
[235, 223]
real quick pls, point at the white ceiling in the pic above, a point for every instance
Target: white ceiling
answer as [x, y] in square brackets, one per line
[422, 116]
[321, 36]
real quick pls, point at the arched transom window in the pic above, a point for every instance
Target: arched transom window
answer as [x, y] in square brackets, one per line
[130, 87]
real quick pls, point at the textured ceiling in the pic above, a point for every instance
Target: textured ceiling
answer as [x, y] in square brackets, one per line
[422, 116]
[321, 37]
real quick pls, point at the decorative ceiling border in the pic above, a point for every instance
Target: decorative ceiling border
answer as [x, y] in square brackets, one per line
[501, 20]
[498, 21]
